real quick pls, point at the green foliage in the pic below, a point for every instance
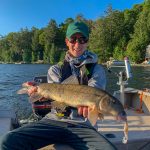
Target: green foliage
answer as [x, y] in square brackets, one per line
[106, 33]
[46, 53]
[62, 55]
[119, 51]
[27, 55]
[52, 54]
[141, 37]
[116, 34]
[37, 48]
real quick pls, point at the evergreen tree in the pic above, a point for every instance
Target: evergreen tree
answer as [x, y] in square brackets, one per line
[141, 38]
[37, 48]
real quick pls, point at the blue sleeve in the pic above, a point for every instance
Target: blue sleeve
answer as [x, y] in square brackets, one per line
[98, 78]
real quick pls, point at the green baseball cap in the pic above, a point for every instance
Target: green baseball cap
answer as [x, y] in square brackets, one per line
[77, 27]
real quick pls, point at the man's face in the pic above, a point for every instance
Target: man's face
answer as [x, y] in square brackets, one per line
[77, 44]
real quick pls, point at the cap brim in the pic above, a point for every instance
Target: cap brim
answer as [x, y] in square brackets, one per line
[76, 31]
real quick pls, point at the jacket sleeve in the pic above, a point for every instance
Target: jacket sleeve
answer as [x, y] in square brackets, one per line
[54, 74]
[98, 78]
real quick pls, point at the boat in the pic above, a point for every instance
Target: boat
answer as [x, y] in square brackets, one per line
[8, 121]
[113, 62]
[137, 106]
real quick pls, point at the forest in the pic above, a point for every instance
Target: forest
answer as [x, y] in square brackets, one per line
[115, 34]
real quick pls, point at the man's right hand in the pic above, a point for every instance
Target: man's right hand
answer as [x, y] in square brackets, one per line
[83, 110]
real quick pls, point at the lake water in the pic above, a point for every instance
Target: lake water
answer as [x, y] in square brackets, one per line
[13, 75]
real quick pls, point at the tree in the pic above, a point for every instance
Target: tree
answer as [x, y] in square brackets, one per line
[106, 33]
[141, 38]
[4, 50]
[37, 48]
[119, 51]
[25, 41]
[14, 49]
[98, 42]
[51, 32]
[117, 33]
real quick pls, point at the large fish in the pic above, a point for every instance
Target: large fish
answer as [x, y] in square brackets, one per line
[99, 101]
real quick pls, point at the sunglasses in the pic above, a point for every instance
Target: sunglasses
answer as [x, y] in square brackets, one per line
[81, 40]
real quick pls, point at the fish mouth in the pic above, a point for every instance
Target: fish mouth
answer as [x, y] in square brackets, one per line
[122, 116]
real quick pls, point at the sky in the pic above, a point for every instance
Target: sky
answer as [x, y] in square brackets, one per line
[17, 14]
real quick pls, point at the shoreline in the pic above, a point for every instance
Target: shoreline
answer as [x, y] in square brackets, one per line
[20, 63]
[136, 65]
[144, 65]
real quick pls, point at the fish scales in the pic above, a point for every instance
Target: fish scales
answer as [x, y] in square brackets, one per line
[73, 95]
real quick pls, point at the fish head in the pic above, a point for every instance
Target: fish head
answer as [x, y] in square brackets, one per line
[112, 106]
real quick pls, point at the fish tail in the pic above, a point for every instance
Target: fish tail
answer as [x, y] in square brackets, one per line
[26, 86]
[22, 91]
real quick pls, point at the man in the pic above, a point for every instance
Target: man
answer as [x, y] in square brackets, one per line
[72, 128]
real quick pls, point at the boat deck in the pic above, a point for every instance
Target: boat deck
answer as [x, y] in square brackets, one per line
[138, 135]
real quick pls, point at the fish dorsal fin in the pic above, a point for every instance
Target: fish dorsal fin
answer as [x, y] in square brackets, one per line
[71, 80]
[93, 115]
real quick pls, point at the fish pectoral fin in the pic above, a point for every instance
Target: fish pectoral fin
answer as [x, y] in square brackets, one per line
[35, 97]
[93, 115]
[58, 105]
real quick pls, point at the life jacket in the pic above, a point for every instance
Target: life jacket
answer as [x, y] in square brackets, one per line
[66, 72]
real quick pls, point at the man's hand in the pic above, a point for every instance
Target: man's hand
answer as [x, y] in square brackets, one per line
[32, 90]
[83, 110]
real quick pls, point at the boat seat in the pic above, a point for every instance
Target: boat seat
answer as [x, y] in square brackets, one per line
[7, 121]
[5, 126]
[40, 79]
